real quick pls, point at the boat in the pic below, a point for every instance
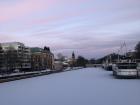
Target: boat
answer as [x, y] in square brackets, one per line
[109, 66]
[138, 69]
[125, 70]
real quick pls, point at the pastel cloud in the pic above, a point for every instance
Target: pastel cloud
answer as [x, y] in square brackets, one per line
[4, 37]
[90, 27]
[22, 8]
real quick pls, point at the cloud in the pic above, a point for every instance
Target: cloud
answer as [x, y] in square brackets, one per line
[5, 38]
[90, 27]
[90, 45]
[22, 8]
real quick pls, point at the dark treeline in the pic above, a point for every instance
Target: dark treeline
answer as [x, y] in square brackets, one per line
[130, 55]
[81, 61]
[137, 49]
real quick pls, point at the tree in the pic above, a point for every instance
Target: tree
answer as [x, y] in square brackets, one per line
[137, 48]
[1, 59]
[92, 61]
[60, 57]
[11, 57]
[81, 61]
[111, 57]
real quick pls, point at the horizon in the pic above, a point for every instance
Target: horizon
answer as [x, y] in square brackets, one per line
[91, 28]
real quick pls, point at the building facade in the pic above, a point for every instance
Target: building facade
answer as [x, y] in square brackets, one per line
[38, 61]
[49, 59]
[16, 56]
[42, 59]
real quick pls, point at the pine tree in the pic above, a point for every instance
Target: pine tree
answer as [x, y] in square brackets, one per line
[137, 48]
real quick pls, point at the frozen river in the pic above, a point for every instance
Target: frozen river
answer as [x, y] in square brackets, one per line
[90, 86]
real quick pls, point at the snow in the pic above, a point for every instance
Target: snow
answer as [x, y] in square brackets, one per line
[89, 86]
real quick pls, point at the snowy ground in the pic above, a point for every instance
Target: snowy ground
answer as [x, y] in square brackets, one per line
[90, 86]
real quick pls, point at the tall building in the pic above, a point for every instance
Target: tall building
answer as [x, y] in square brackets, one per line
[17, 56]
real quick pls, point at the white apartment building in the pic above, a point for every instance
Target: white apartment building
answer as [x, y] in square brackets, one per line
[22, 55]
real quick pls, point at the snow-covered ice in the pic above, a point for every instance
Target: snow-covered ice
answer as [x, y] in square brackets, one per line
[89, 86]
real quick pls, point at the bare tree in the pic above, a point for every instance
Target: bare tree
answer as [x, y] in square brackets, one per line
[1, 59]
[11, 59]
[60, 57]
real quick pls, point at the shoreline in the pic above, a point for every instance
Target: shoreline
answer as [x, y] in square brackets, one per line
[31, 75]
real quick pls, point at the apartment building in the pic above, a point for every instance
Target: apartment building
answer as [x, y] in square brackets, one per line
[16, 56]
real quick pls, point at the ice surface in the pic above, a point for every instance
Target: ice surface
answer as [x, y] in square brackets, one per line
[90, 86]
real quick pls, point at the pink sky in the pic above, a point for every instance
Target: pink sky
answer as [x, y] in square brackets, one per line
[91, 28]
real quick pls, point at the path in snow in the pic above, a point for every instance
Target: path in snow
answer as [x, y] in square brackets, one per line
[90, 86]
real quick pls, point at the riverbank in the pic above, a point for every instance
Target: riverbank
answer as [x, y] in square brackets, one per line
[24, 75]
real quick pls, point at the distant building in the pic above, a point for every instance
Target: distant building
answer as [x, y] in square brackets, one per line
[73, 56]
[72, 60]
[38, 61]
[58, 65]
[42, 58]
[17, 56]
[50, 57]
